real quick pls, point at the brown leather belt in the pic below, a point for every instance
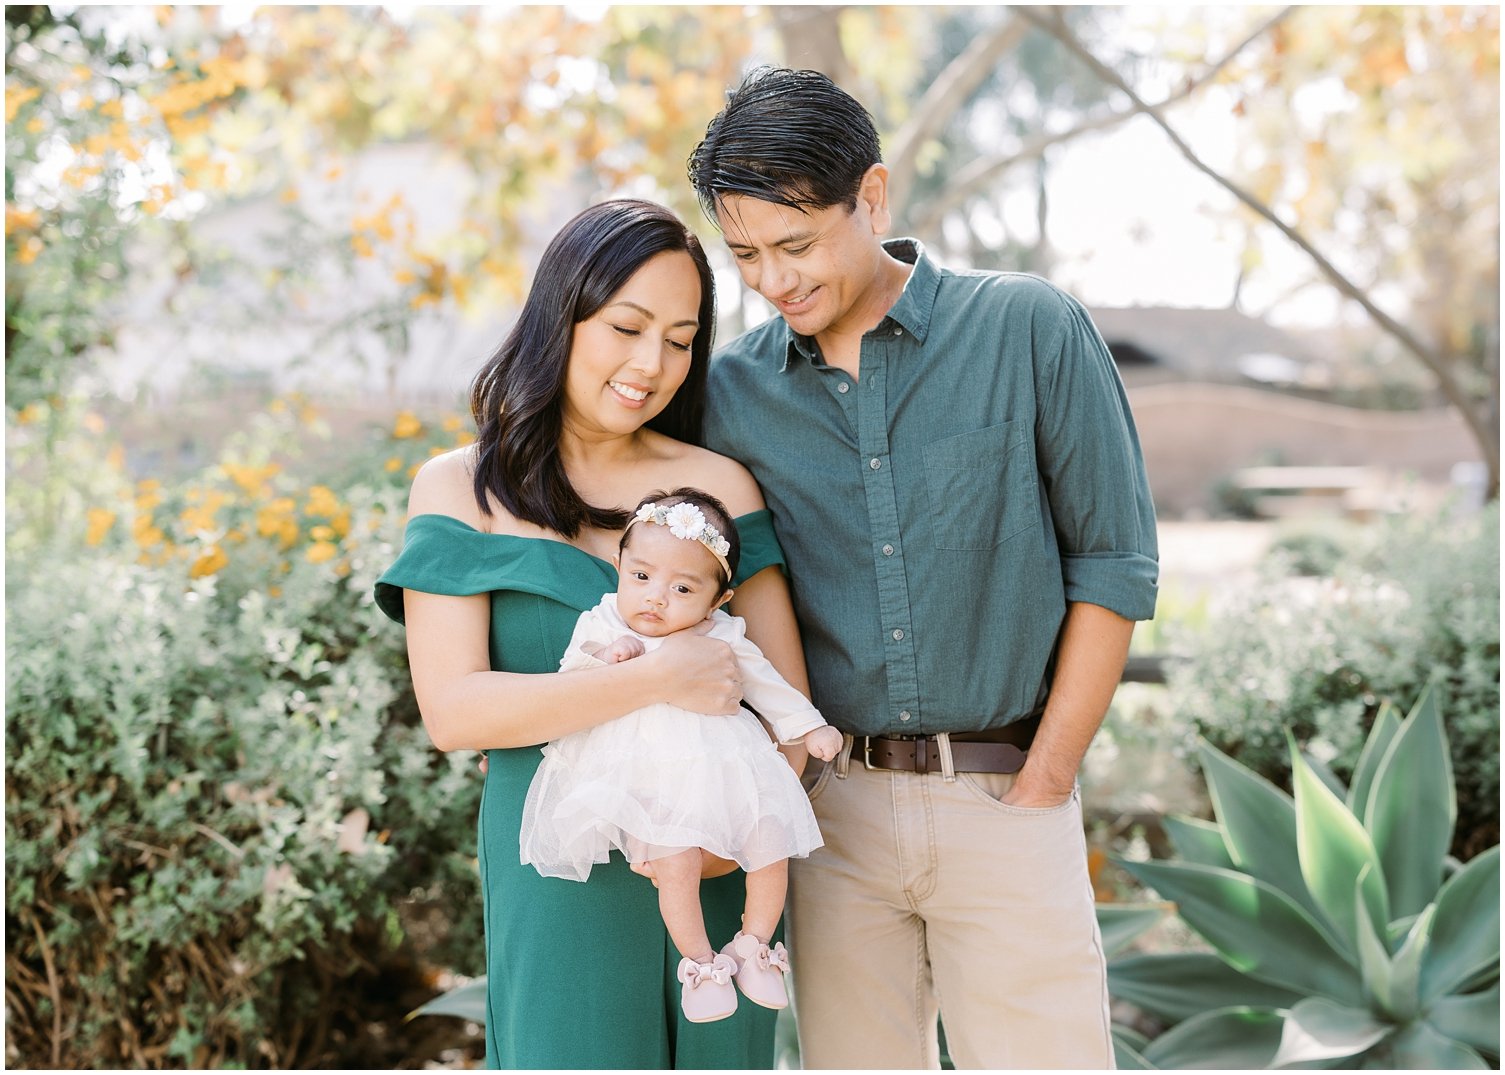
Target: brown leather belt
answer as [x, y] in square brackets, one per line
[1001, 750]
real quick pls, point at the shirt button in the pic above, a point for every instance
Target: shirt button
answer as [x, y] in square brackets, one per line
[843, 387]
[904, 714]
[898, 635]
[898, 331]
[875, 463]
[888, 550]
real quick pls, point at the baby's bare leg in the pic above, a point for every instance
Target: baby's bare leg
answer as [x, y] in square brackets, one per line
[679, 902]
[765, 899]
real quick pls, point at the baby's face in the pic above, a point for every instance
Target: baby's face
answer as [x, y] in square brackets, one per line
[665, 583]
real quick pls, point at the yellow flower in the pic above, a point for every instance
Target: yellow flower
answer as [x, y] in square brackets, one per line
[392, 464]
[146, 533]
[115, 458]
[452, 423]
[30, 250]
[407, 425]
[252, 480]
[212, 560]
[321, 501]
[320, 551]
[30, 413]
[16, 99]
[100, 522]
[322, 533]
[18, 219]
[465, 436]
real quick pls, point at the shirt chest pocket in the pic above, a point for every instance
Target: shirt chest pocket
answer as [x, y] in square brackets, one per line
[982, 486]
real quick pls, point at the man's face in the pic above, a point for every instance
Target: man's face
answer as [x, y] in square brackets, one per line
[819, 267]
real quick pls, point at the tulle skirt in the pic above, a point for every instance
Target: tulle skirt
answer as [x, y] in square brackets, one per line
[660, 780]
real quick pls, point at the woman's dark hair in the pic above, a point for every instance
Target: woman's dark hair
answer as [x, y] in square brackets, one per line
[715, 513]
[517, 397]
[793, 138]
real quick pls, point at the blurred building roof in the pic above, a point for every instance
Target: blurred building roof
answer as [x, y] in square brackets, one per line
[1208, 345]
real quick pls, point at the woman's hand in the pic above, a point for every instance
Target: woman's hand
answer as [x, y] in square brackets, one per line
[702, 671]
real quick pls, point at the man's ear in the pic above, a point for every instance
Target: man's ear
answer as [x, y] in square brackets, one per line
[872, 193]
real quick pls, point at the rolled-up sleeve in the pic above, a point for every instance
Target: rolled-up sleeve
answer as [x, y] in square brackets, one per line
[1093, 472]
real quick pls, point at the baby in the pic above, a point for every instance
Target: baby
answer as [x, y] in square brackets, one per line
[662, 783]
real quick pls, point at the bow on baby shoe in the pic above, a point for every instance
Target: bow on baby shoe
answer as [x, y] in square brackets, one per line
[693, 974]
[775, 958]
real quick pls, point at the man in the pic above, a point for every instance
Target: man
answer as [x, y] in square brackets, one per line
[958, 488]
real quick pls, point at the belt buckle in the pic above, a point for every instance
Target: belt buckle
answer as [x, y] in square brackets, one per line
[867, 752]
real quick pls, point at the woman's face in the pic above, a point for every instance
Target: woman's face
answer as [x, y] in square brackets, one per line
[629, 358]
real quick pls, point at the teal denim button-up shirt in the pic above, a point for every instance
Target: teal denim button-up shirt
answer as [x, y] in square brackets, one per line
[938, 514]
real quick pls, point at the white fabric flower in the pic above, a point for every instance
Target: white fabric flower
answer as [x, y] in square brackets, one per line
[720, 546]
[645, 513]
[685, 521]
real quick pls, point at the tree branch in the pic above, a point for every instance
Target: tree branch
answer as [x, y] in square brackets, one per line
[947, 94]
[1051, 22]
[981, 173]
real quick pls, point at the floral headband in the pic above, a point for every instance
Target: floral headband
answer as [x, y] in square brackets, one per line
[685, 520]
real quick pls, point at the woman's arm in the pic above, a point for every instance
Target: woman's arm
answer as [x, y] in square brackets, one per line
[466, 705]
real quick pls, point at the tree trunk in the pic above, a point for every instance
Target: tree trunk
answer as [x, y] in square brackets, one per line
[811, 37]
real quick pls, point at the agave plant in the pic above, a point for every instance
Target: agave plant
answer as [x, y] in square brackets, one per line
[1342, 933]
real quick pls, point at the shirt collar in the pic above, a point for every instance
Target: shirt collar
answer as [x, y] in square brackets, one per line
[912, 311]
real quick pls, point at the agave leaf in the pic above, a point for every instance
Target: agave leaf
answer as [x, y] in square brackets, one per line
[1386, 724]
[1318, 1029]
[1412, 808]
[1326, 775]
[1335, 853]
[1374, 958]
[1255, 927]
[1259, 825]
[1178, 985]
[1196, 840]
[1466, 930]
[1121, 923]
[1405, 968]
[1226, 1038]
[1422, 1046]
[466, 1002]
[1126, 1052]
[1473, 1019]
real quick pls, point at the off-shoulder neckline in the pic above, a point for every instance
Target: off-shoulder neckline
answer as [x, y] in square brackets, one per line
[547, 541]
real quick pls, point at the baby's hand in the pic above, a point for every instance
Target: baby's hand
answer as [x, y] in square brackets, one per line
[623, 649]
[824, 742]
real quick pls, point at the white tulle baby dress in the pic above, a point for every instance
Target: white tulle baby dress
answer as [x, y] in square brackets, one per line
[663, 779]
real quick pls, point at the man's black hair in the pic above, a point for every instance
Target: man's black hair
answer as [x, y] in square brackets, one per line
[789, 137]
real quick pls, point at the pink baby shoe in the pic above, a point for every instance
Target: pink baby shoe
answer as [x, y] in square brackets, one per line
[760, 970]
[708, 994]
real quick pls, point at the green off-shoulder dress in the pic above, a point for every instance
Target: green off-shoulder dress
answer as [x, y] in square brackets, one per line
[579, 974]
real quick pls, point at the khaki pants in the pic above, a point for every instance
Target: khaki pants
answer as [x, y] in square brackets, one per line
[930, 894]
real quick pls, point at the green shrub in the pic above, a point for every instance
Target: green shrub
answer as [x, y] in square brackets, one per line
[1412, 596]
[220, 800]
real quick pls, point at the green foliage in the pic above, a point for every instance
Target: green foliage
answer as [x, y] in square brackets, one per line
[1340, 937]
[219, 797]
[1412, 597]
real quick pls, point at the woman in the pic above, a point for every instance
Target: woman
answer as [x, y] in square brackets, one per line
[593, 400]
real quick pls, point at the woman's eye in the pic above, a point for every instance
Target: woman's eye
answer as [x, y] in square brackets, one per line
[625, 331]
[678, 346]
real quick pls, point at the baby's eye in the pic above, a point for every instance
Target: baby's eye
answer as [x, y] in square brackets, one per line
[682, 588]
[640, 576]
